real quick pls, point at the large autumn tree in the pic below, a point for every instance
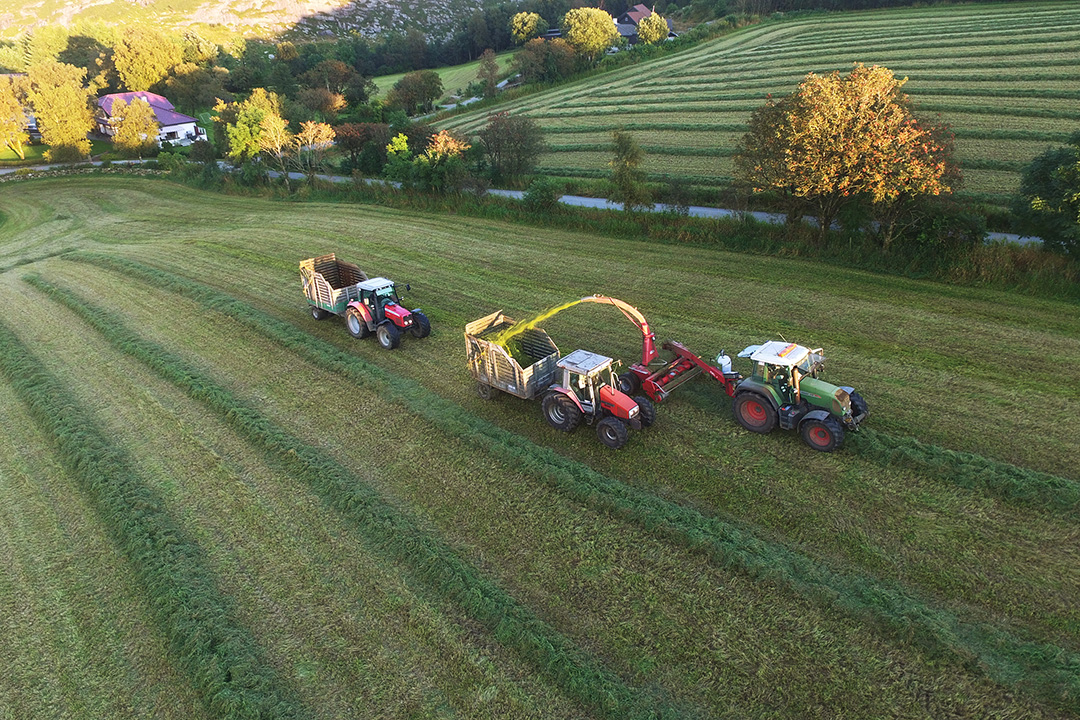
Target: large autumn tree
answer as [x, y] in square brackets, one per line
[590, 31]
[61, 106]
[144, 57]
[13, 120]
[136, 127]
[844, 137]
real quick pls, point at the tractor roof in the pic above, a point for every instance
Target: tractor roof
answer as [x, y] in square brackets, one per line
[776, 352]
[374, 283]
[584, 362]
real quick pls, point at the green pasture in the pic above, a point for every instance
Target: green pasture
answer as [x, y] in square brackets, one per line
[1002, 67]
[455, 78]
[381, 542]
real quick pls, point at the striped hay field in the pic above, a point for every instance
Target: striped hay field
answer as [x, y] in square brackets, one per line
[998, 68]
[215, 506]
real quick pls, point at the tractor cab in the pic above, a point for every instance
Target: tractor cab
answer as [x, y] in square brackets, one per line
[783, 365]
[380, 297]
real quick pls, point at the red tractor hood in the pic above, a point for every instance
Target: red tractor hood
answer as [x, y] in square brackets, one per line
[398, 315]
[620, 405]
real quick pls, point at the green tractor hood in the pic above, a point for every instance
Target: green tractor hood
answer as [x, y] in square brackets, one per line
[825, 396]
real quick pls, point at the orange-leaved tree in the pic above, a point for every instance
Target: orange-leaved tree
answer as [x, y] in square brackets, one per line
[839, 138]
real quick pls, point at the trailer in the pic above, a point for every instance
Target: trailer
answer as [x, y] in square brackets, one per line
[369, 305]
[527, 375]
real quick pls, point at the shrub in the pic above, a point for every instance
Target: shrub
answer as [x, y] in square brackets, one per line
[543, 195]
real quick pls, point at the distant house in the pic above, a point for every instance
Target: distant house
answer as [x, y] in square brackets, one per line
[173, 127]
[628, 23]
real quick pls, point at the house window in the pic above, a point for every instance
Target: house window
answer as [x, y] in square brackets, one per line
[171, 135]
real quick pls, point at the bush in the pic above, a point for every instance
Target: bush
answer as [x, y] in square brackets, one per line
[543, 195]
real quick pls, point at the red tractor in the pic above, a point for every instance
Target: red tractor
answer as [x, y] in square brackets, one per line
[588, 390]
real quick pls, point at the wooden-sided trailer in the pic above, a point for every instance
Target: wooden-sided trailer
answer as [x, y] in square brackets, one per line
[493, 366]
[329, 284]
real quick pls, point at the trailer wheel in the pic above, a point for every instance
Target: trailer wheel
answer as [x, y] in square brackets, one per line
[824, 435]
[421, 325]
[754, 412]
[561, 412]
[355, 324]
[389, 336]
[318, 313]
[485, 391]
[648, 410]
[629, 383]
[612, 432]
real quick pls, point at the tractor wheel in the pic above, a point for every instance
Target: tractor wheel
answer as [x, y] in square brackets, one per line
[648, 410]
[421, 325]
[389, 336]
[824, 435]
[485, 391]
[318, 313]
[612, 432]
[754, 412]
[858, 404]
[561, 412]
[355, 324]
[629, 383]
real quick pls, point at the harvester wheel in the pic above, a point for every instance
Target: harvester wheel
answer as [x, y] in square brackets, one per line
[647, 409]
[561, 412]
[318, 313]
[629, 383]
[421, 325]
[389, 336]
[485, 391]
[754, 412]
[612, 432]
[824, 435]
[355, 324]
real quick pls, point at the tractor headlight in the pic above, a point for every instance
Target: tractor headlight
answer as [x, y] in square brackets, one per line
[634, 411]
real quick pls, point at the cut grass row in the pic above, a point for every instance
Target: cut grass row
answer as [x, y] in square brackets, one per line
[1004, 657]
[391, 530]
[221, 658]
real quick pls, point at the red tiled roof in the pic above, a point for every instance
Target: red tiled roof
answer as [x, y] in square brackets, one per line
[638, 13]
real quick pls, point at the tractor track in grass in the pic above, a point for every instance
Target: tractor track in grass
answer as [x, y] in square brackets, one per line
[432, 563]
[1046, 670]
[221, 658]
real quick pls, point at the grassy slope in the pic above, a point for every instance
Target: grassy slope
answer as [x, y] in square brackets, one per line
[1003, 77]
[454, 79]
[964, 369]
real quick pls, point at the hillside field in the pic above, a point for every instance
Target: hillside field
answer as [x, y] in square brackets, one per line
[1004, 77]
[215, 506]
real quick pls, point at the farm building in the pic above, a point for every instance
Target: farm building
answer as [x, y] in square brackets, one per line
[628, 23]
[173, 127]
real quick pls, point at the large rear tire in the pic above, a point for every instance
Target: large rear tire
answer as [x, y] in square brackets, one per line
[389, 336]
[647, 409]
[824, 435]
[561, 412]
[612, 432]
[754, 412]
[421, 327]
[355, 324]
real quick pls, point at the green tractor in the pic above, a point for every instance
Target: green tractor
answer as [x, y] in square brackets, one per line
[785, 389]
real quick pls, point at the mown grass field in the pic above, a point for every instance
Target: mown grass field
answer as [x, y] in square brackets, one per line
[215, 505]
[455, 78]
[1004, 77]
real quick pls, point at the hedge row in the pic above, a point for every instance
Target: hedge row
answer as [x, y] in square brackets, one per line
[392, 531]
[221, 657]
[1046, 670]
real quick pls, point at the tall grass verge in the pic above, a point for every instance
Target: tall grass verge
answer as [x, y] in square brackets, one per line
[1045, 670]
[432, 563]
[221, 657]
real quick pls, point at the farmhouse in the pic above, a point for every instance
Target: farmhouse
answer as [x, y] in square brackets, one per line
[173, 127]
[628, 23]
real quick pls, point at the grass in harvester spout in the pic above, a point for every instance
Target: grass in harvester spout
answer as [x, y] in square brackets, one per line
[504, 337]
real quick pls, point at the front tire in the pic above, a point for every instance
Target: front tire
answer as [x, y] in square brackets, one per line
[612, 432]
[561, 412]
[754, 412]
[629, 383]
[318, 313]
[389, 336]
[647, 410]
[858, 404]
[823, 435]
[355, 324]
[421, 327]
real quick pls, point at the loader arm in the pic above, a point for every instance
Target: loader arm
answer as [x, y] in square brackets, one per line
[648, 343]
